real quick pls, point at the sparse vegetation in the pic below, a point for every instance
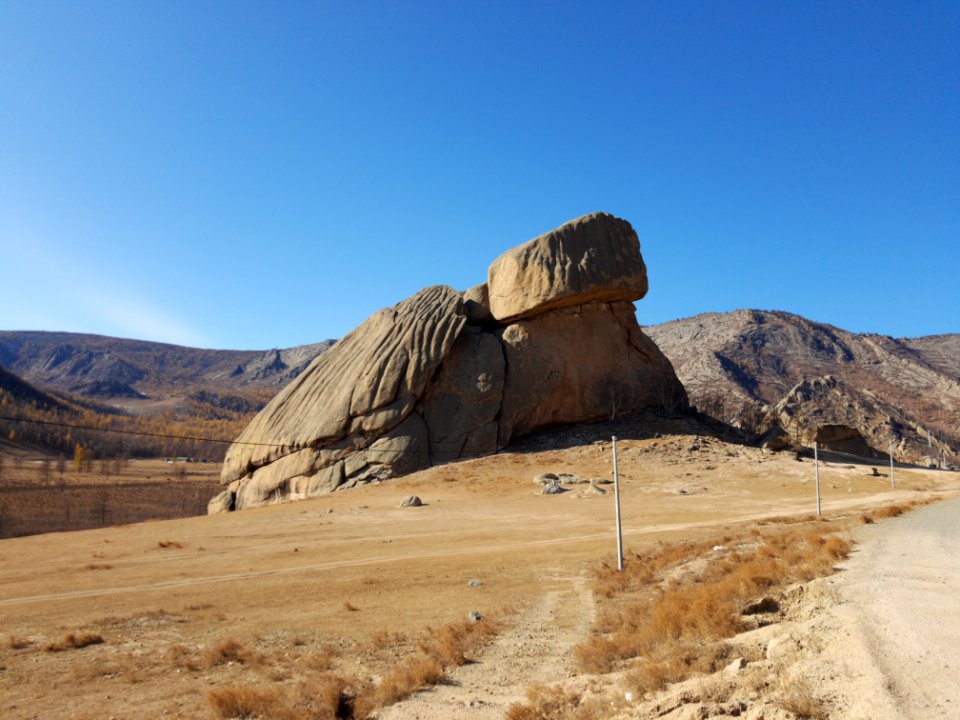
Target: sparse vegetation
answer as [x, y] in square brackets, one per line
[554, 703]
[797, 697]
[667, 611]
[17, 643]
[230, 651]
[74, 641]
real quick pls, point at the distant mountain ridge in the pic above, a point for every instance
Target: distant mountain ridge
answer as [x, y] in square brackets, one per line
[105, 367]
[750, 358]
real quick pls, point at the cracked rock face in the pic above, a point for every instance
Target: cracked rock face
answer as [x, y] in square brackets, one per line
[444, 375]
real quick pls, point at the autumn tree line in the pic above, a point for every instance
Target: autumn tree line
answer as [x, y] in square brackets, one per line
[199, 430]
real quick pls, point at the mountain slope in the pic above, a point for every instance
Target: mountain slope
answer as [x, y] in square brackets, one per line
[737, 361]
[105, 367]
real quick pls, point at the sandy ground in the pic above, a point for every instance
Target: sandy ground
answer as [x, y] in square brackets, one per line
[886, 634]
[287, 581]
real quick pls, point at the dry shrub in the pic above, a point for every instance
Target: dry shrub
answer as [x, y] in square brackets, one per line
[555, 703]
[322, 660]
[415, 673]
[440, 650]
[243, 701]
[349, 606]
[321, 699]
[74, 641]
[326, 698]
[180, 657]
[890, 511]
[676, 623]
[17, 643]
[796, 697]
[382, 639]
[97, 566]
[230, 651]
[169, 544]
[867, 519]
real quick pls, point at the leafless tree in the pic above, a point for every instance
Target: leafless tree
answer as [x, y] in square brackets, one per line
[615, 394]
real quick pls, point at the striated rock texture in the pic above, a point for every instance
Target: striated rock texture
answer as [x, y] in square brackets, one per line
[446, 375]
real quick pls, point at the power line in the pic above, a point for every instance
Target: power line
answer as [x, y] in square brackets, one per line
[91, 428]
[135, 432]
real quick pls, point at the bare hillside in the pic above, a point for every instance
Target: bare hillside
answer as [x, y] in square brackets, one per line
[106, 367]
[732, 363]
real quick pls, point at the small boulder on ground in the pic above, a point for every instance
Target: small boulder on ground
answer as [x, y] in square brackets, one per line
[552, 487]
[412, 501]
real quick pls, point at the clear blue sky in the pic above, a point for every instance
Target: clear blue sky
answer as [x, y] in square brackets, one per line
[255, 175]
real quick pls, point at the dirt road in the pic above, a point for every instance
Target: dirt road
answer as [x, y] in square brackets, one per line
[895, 651]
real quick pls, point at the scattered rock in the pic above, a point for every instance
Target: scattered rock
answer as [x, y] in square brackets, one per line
[412, 501]
[552, 487]
[597, 490]
[474, 617]
[473, 583]
[544, 478]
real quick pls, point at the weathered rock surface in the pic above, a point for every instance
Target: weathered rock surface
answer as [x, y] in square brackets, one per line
[440, 377]
[595, 258]
[732, 364]
[842, 418]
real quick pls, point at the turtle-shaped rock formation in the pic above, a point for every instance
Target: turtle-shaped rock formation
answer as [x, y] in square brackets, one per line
[550, 339]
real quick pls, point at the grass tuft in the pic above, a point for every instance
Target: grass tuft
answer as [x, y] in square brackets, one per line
[74, 641]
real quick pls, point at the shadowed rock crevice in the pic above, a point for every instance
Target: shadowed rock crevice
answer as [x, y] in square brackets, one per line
[446, 375]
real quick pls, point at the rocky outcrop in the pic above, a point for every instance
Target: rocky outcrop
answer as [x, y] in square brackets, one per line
[845, 419]
[732, 364]
[446, 375]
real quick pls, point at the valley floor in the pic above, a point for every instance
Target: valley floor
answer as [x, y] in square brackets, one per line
[348, 583]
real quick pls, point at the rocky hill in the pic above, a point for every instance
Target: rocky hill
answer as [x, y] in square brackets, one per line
[753, 367]
[112, 368]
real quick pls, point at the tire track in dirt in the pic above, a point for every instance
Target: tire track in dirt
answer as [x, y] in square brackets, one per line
[535, 649]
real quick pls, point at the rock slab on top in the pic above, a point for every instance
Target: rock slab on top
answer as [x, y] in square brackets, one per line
[593, 259]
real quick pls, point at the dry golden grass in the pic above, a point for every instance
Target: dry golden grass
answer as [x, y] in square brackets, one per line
[17, 643]
[674, 619]
[796, 697]
[437, 652]
[182, 659]
[250, 582]
[325, 698]
[74, 641]
[243, 701]
[230, 651]
[554, 703]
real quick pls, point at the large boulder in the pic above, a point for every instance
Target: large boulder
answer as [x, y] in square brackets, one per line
[595, 258]
[445, 375]
[583, 363]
